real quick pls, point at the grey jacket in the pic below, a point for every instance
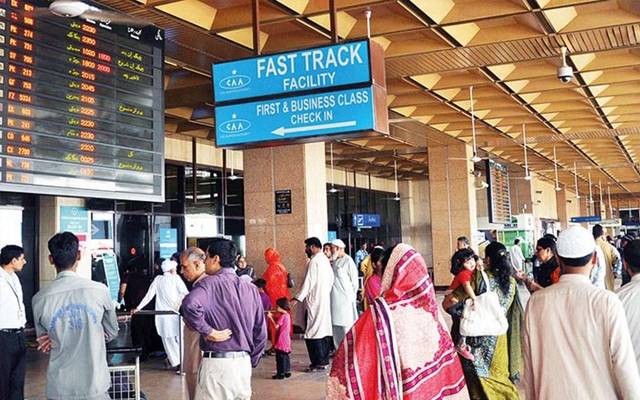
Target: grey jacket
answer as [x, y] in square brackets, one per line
[79, 317]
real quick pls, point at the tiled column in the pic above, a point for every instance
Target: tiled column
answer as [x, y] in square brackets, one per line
[453, 204]
[300, 168]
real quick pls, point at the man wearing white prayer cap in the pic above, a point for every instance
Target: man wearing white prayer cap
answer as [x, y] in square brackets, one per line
[344, 312]
[168, 289]
[576, 339]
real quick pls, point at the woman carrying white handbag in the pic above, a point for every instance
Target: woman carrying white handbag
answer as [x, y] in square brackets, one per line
[492, 327]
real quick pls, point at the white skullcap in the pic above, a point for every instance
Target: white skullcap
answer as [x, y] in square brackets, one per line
[575, 242]
[168, 265]
[338, 243]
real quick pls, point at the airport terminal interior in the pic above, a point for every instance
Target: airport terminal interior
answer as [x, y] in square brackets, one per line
[149, 127]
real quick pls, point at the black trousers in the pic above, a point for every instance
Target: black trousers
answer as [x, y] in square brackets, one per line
[319, 350]
[283, 363]
[13, 363]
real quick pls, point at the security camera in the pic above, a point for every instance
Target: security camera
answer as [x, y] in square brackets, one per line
[565, 73]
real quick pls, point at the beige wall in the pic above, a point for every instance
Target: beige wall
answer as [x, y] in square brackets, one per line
[544, 199]
[179, 148]
[573, 208]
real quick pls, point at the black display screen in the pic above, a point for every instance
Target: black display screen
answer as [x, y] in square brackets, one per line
[81, 105]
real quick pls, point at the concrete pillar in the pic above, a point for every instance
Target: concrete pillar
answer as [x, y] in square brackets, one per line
[416, 216]
[49, 226]
[563, 209]
[301, 169]
[453, 204]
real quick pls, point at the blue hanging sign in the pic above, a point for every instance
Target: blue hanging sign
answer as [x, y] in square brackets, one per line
[332, 235]
[319, 114]
[365, 220]
[298, 71]
[590, 218]
[112, 274]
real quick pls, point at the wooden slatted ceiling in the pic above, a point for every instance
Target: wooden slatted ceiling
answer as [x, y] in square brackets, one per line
[507, 49]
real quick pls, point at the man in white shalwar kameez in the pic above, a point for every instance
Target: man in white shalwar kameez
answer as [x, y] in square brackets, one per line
[344, 312]
[168, 289]
[316, 290]
[576, 341]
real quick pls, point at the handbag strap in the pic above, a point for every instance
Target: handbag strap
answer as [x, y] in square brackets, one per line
[485, 278]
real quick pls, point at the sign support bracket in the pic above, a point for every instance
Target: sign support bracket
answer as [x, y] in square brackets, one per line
[255, 20]
[333, 15]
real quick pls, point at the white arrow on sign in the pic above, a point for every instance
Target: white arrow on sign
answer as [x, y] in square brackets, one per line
[283, 131]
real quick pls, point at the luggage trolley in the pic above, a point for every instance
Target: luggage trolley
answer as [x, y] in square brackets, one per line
[124, 364]
[125, 377]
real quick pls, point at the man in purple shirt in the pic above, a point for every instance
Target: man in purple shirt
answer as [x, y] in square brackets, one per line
[224, 301]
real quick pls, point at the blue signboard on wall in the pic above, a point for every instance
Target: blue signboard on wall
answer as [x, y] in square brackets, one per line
[332, 235]
[168, 242]
[589, 218]
[365, 220]
[74, 219]
[292, 72]
[319, 114]
[111, 273]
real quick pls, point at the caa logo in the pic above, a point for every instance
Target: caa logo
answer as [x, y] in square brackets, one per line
[235, 125]
[235, 81]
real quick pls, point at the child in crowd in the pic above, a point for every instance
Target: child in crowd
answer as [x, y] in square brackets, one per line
[266, 302]
[467, 261]
[282, 321]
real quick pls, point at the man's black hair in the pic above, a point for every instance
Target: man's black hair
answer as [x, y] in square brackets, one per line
[323, 246]
[550, 236]
[63, 248]
[632, 255]
[9, 252]
[463, 239]
[576, 262]
[516, 241]
[225, 249]
[597, 231]
[547, 243]
[313, 241]
[260, 283]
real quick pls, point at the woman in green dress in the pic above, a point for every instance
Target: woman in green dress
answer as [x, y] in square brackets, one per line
[497, 359]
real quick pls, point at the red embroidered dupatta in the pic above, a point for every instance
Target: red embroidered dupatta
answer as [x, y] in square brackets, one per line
[400, 347]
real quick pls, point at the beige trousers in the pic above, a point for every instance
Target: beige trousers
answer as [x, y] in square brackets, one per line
[191, 359]
[224, 379]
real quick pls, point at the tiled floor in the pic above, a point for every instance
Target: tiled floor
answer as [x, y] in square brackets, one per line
[161, 384]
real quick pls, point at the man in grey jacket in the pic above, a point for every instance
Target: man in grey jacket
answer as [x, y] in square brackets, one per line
[74, 318]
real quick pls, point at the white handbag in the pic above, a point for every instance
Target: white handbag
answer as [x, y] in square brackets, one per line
[485, 317]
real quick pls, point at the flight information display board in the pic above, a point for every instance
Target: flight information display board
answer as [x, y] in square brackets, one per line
[81, 106]
[498, 192]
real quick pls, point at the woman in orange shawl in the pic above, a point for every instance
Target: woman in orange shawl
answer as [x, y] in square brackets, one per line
[276, 276]
[400, 347]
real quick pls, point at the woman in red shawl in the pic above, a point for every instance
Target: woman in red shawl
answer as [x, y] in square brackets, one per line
[276, 276]
[400, 347]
